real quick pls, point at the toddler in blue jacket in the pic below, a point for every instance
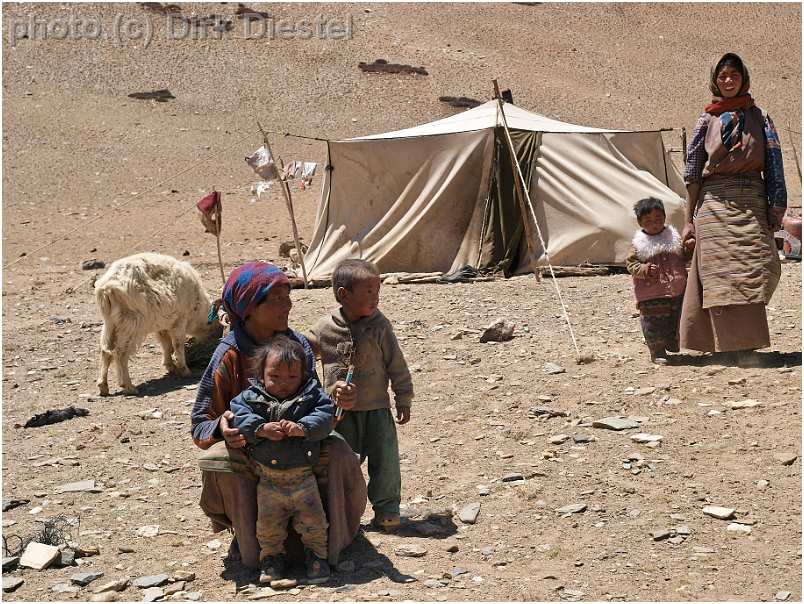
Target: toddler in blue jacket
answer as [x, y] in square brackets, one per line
[284, 417]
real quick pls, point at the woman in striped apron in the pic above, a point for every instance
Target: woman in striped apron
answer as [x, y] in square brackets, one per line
[736, 198]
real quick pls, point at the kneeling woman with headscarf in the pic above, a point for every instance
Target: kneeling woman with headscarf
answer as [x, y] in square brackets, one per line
[256, 298]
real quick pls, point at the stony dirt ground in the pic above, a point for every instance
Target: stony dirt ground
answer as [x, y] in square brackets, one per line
[91, 173]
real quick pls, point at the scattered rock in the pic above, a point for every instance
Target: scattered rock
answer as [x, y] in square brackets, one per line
[84, 579]
[459, 101]
[552, 368]
[407, 550]
[746, 404]
[539, 410]
[457, 572]
[150, 581]
[615, 423]
[10, 563]
[182, 575]
[572, 508]
[512, 477]
[469, 513]
[10, 504]
[500, 330]
[39, 556]
[91, 264]
[786, 459]
[781, 596]
[87, 551]
[453, 549]
[661, 534]
[643, 437]
[11, 583]
[483, 490]
[284, 584]
[162, 95]
[66, 558]
[152, 530]
[64, 588]
[644, 391]
[736, 527]
[214, 545]
[433, 584]
[383, 66]
[106, 596]
[581, 439]
[84, 486]
[118, 585]
[572, 595]
[762, 484]
[125, 549]
[152, 594]
[559, 439]
[719, 512]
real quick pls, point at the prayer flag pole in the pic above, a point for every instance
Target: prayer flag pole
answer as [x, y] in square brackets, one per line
[288, 201]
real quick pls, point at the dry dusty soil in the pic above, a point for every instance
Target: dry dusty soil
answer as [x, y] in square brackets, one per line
[90, 173]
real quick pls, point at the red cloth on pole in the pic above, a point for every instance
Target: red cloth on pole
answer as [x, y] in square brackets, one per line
[210, 208]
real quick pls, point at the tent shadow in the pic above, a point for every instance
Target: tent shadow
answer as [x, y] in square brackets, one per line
[768, 360]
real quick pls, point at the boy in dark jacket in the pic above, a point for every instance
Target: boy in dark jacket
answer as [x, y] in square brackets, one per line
[284, 418]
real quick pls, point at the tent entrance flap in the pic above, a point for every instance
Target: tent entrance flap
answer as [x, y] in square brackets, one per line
[503, 246]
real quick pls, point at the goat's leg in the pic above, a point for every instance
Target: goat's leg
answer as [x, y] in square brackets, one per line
[167, 351]
[178, 338]
[129, 337]
[106, 347]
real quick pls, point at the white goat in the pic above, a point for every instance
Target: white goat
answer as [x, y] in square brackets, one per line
[150, 293]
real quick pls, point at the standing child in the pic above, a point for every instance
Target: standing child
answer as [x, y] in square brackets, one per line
[357, 334]
[657, 262]
[284, 418]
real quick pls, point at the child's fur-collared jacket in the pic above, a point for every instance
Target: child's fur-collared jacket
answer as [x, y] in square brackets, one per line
[666, 251]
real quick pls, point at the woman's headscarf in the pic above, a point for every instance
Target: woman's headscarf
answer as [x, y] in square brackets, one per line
[736, 62]
[246, 287]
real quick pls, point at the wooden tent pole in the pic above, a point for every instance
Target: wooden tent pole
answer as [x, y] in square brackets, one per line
[289, 202]
[521, 188]
[218, 227]
[684, 144]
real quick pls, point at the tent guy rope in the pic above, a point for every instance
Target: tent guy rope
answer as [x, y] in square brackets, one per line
[579, 358]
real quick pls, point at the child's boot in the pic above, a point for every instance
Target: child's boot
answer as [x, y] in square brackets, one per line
[386, 522]
[317, 568]
[273, 569]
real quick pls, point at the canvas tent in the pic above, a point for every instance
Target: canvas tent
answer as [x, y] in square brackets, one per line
[441, 196]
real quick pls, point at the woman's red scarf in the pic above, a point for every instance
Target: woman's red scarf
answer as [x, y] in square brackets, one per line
[722, 105]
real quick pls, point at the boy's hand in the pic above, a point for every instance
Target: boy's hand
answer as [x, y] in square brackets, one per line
[291, 428]
[653, 270]
[402, 415]
[271, 431]
[232, 436]
[344, 395]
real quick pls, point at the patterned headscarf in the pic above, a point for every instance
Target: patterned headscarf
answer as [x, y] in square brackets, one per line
[738, 64]
[246, 287]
